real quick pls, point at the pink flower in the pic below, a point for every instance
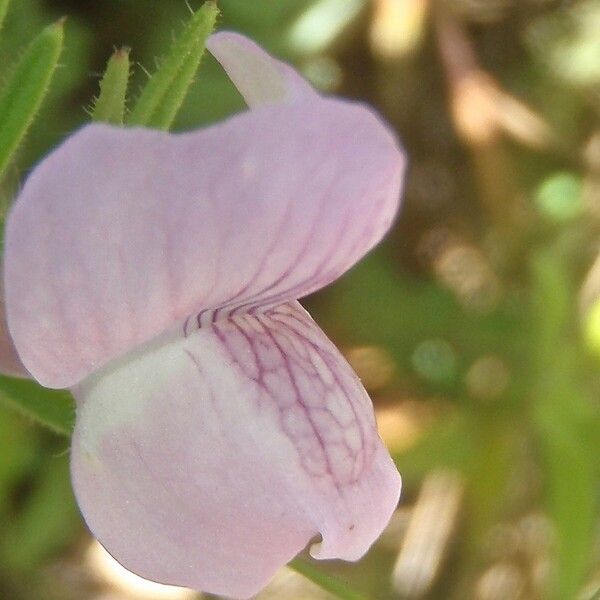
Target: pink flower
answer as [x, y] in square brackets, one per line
[218, 430]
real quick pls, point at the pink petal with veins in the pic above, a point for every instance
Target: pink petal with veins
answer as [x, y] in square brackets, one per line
[211, 460]
[121, 234]
[260, 78]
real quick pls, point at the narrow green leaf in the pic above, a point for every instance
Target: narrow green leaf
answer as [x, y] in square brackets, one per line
[110, 104]
[166, 89]
[22, 97]
[325, 581]
[565, 417]
[51, 408]
[167, 109]
[570, 474]
[3, 9]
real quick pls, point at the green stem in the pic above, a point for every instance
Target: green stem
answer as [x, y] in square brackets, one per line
[325, 581]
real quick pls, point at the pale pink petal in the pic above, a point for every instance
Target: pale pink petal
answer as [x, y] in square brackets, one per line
[260, 78]
[120, 234]
[210, 461]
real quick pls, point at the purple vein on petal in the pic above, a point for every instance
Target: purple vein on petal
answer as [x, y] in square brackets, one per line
[289, 364]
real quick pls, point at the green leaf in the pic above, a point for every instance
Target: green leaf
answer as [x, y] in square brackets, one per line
[110, 104]
[18, 455]
[45, 521]
[325, 581]
[565, 418]
[166, 89]
[22, 97]
[51, 408]
[570, 465]
[3, 10]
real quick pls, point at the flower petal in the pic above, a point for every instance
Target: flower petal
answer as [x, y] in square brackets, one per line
[121, 234]
[260, 78]
[210, 461]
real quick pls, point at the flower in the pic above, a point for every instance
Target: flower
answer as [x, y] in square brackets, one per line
[156, 275]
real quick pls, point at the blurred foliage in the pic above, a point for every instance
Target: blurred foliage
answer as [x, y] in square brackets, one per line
[474, 302]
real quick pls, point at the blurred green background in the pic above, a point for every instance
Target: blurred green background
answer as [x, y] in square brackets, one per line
[475, 326]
